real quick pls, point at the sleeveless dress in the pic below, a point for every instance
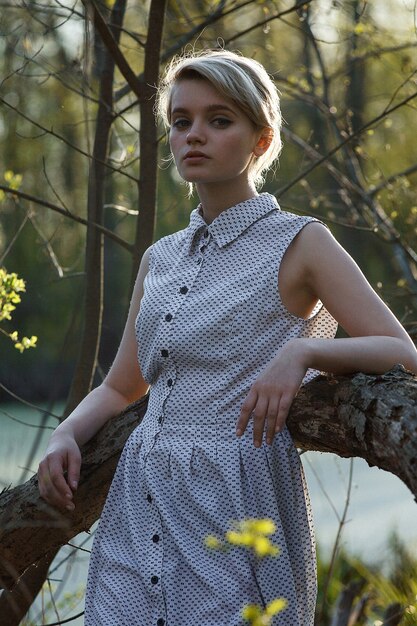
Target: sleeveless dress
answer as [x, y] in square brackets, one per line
[210, 320]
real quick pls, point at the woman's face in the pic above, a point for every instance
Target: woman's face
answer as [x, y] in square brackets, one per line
[211, 139]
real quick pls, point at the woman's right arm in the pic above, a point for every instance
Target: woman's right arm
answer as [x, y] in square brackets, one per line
[59, 470]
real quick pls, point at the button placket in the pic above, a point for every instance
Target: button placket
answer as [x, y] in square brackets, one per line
[178, 297]
[154, 551]
[203, 244]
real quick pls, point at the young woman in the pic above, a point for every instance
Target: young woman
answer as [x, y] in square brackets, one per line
[231, 316]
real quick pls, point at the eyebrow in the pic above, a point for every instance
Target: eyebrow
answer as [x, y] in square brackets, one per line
[209, 108]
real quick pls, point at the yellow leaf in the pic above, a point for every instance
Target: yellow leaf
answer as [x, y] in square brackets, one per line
[276, 606]
[239, 539]
[264, 547]
[212, 542]
[251, 611]
[263, 526]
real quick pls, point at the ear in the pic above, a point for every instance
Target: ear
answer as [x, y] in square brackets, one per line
[264, 141]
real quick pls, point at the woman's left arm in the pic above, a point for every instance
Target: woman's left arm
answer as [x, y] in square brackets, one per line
[377, 341]
[322, 269]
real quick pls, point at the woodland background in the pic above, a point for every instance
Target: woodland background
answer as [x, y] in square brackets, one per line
[85, 187]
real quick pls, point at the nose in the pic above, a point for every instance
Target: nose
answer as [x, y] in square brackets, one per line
[195, 135]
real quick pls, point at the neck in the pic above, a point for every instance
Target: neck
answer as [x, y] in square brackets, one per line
[217, 198]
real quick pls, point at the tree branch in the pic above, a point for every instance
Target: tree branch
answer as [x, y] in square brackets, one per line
[66, 213]
[345, 141]
[148, 136]
[296, 7]
[373, 417]
[113, 49]
[50, 131]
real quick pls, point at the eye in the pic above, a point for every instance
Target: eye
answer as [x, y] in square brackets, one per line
[180, 123]
[221, 122]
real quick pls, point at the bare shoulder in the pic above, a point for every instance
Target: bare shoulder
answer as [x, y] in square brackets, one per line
[125, 375]
[333, 276]
[297, 289]
[311, 238]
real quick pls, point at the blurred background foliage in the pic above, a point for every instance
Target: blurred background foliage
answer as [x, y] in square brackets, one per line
[338, 65]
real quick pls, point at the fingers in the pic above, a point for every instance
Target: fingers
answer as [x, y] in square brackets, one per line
[271, 419]
[284, 409]
[269, 412]
[259, 414]
[245, 412]
[58, 477]
[74, 466]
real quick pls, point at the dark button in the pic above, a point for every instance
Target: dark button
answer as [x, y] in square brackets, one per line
[169, 382]
[164, 353]
[149, 497]
[206, 233]
[203, 248]
[160, 419]
[160, 622]
[199, 260]
[154, 580]
[168, 317]
[155, 538]
[184, 290]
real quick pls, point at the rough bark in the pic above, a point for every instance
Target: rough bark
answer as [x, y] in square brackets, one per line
[373, 417]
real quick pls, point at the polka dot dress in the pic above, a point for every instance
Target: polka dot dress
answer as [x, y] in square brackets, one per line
[210, 320]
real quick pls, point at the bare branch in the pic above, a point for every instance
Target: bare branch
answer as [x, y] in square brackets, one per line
[387, 181]
[67, 213]
[112, 46]
[30, 404]
[296, 7]
[14, 238]
[148, 137]
[346, 141]
[50, 131]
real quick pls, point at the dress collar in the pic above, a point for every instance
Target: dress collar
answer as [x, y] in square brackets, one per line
[233, 221]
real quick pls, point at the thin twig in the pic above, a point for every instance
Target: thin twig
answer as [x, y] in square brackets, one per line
[66, 213]
[15, 419]
[50, 131]
[337, 542]
[14, 238]
[65, 621]
[27, 403]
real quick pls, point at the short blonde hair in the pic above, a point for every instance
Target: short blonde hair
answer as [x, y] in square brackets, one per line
[242, 80]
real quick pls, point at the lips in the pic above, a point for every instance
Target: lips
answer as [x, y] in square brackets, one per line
[195, 155]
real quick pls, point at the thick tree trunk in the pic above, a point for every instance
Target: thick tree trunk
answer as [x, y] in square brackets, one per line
[14, 606]
[148, 136]
[374, 417]
[93, 297]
